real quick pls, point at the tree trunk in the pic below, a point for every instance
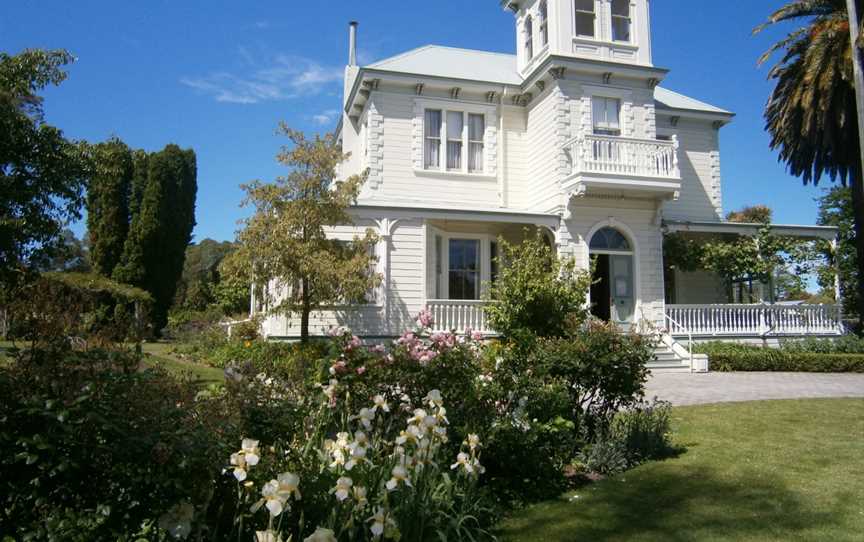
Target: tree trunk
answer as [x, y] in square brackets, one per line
[304, 312]
[857, 183]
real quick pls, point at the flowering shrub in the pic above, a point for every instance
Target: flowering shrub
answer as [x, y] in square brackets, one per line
[380, 473]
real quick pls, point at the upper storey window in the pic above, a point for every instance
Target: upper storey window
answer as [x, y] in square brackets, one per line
[544, 24]
[585, 18]
[453, 124]
[529, 38]
[607, 115]
[621, 20]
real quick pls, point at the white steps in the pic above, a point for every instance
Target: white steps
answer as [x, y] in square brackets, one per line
[672, 357]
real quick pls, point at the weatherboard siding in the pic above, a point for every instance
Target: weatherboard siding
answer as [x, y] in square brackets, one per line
[699, 161]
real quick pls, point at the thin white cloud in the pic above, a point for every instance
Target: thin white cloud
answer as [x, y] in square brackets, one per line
[326, 117]
[284, 78]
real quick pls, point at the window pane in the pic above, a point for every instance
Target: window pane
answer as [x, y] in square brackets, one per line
[621, 7]
[613, 108]
[585, 5]
[609, 239]
[529, 37]
[454, 155]
[433, 123]
[620, 29]
[454, 125]
[585, 24]
[476, 127]
[431, 153]
[598, 106]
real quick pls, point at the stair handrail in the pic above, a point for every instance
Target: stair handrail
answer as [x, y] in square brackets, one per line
[672, 322]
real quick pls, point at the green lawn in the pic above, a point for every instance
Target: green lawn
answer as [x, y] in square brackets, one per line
[759, 471]
[161, 353]
[157, 354]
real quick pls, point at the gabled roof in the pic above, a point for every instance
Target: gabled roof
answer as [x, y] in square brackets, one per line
[450, 62]
[484, 66]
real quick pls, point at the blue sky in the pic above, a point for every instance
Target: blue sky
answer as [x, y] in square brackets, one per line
[218, 76]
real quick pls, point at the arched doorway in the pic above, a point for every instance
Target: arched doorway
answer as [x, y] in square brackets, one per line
[612, 290]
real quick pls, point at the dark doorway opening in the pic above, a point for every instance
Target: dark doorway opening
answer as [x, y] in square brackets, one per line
[601, 293]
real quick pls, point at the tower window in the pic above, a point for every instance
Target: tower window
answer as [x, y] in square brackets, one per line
[529, 38]
[621, 21]
[585, 17]
[544, 24]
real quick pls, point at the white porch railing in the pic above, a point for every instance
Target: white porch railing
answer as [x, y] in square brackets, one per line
[458, 315]
[756, 320]
[625, 156]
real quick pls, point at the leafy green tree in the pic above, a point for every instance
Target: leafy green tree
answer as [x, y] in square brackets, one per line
[42, 174]
[161, 229]
[835, 209]
[108, 204]
[536, 294]
[200, 279]
[232, 291]
[296, 267]
[754, 214]
[811, 114]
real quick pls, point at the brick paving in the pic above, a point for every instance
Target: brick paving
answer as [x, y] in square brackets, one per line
[694, 389]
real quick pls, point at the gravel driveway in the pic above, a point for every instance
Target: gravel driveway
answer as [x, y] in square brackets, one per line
[695, 389]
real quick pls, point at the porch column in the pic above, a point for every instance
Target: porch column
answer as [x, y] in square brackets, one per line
[837, 292]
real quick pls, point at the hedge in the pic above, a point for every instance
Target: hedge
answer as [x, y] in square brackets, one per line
[776, 360]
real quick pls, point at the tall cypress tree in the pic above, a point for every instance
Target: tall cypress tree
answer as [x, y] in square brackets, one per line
[108, 204]
[162, 226]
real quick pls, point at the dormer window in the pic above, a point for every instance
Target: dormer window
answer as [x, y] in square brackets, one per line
[585, 18]
[544, 24]
[621, 22]
[529, 38]
[607, 115]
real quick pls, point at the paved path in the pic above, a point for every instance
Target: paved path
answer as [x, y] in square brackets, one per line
[695, 389]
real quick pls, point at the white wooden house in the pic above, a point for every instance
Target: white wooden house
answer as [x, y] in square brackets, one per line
[573, 135]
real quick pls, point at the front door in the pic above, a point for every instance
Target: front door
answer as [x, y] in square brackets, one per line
[622, 299]
[613, 295]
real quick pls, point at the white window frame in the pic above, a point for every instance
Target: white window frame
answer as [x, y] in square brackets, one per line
[528, 40]
[465, 110]
[576, 13]
[629, 18]
[442, 279]
[622, 94]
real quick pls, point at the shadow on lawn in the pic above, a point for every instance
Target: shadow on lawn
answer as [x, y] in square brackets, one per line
[684, 504]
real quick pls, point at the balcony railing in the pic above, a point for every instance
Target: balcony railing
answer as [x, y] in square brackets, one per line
[458, 315]
[613, 155]
[757, 320]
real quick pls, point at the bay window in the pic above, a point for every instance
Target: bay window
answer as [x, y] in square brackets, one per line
[621, 22]
[585, 17]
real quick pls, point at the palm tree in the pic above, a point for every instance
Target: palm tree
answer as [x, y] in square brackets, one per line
[811, 113]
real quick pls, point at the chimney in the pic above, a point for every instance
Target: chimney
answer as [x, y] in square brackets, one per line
[352, 43]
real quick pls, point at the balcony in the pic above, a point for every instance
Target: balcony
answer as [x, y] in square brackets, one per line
[602, 163]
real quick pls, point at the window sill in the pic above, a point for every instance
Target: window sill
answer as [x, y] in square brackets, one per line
[455, 175]
[594, 41]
